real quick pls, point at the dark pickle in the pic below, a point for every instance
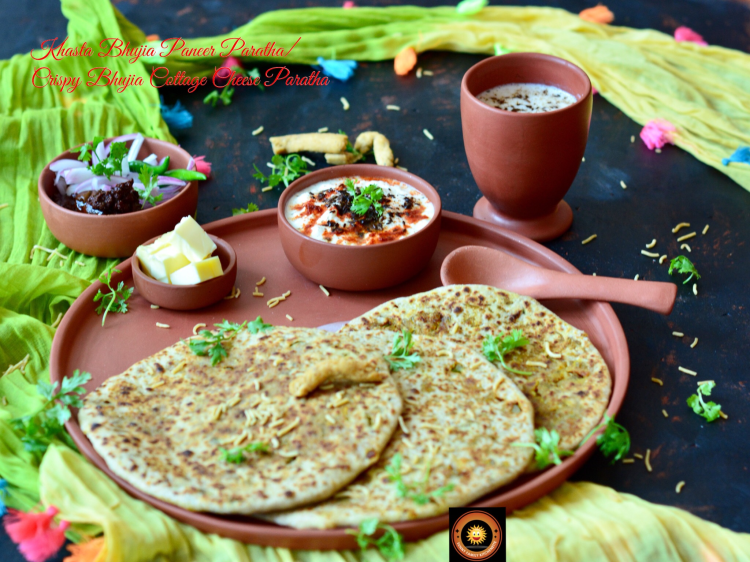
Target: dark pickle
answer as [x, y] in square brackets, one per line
[121, 199]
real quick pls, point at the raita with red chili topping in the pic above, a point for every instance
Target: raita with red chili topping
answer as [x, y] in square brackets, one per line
[359, 211]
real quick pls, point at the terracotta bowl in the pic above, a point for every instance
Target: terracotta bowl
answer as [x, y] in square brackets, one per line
[189, 297]
[524, 163]
[359, 268]
[117, 236]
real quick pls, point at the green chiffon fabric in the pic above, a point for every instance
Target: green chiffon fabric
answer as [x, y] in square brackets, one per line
[704, 91]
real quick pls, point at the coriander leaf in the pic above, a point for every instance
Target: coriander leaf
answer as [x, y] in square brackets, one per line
[365, 198]
[258, 325]
[283, 169]
[683, 265]
[255, 74]
[210, 345]
[709, 410]
[495, 349]
[546, 447]
[390, 544]
[251, 208]
[212, 98]
[226, 326]
[112, 164]
[148, 177]
[614, 442]
[400, 357]
[116, 299]
[237, 456]
[418, 494]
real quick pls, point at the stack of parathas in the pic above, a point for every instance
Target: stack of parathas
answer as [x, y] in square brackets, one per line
[351, 434]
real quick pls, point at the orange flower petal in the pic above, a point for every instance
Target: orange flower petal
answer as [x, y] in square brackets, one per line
[405, 61]
[598, 14]
[152, 37]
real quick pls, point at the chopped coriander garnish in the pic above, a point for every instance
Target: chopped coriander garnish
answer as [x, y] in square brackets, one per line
[214, 97]
[212, 344]
[683, 265]
[148, 177]
[546, 447]
[400, 358]
[258, 325]
[251, 208]
[86, 149]
[495, 349]
[38, 430]
[614, 442]
[349, 147]
[283, 169]
[237, 455]
[390, 544]
[418, 493]
[364, 198]
[112, 164]
[116, 299]
[709, 410]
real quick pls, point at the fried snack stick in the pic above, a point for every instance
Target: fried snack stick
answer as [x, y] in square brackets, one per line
[343, 158]
[336, 369]
[379, 145]
[309, 142]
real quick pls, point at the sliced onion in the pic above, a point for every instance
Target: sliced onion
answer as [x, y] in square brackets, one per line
[125, 167]
[135, 148]
[100, 152]
[123, 138]
[167, 180]
[150, 160]
[67, 164]
[60, 184]
[191, 164]
[76, 175]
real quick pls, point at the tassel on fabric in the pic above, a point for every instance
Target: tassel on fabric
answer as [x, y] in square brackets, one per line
[201, 165]
[597, 14]
[34, 534]
[3, 494]
[89, 551]
[657, 133]
[232, 64]
[339, 69]
[176, 117]
[348, 5]
[405, 61]
[685, 34]
[741, 155]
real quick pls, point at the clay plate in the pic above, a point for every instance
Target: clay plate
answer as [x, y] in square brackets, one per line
[117, 236]
[189, 297]
[82, 343]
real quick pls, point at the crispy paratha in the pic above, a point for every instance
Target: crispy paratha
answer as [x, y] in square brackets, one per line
[461, 417]
[160, 424]
[569, 385]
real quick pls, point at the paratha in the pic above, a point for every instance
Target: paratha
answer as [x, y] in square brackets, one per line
[569, 393]
[160, 424]
[461, 418]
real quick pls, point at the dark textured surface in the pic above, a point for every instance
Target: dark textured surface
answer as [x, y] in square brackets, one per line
[663, 189]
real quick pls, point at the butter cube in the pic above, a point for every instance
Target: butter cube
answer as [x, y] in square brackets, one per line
[197, 272]
[192, 240]
[164, 262]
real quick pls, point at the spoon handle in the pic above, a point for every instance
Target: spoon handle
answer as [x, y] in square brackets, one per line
[652, 295]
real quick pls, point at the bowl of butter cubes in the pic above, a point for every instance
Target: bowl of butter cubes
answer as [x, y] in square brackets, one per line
[185, 268]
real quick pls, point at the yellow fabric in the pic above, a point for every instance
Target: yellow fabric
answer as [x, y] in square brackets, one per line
[578, 522]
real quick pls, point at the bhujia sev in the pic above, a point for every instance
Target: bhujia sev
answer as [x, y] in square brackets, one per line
[336, 146]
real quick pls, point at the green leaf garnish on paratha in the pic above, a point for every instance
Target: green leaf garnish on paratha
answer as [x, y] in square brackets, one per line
[547, 448]
[400, 358]
[258, 325]
[237, 455]
[211, 344]
[495, 348]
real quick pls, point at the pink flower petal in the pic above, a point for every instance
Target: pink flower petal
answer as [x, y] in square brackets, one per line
[348, 5]
[202, 166]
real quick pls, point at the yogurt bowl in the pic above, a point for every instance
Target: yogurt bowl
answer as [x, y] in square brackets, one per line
[332, 245]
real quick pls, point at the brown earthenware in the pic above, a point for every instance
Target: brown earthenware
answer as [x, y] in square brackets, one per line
[524, 163]
[117, 236]
[359, 268]
[189, 297]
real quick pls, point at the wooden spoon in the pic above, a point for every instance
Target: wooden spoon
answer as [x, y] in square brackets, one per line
[485, 266]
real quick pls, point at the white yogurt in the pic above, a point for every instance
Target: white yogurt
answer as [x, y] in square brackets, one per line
[324, 212]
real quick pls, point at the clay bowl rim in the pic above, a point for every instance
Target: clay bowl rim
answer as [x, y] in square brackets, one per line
[143, 277]
[348, 170]
[528, 56]
[72, 215]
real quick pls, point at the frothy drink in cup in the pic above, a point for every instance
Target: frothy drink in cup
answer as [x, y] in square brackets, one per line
[527, 98]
